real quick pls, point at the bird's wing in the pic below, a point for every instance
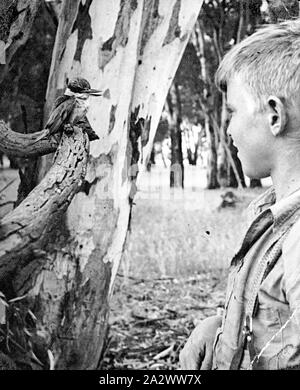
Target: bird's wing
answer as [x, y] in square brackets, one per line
[60, 100]
[60, 114]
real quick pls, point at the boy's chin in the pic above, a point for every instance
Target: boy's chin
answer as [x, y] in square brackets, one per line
[255, 174]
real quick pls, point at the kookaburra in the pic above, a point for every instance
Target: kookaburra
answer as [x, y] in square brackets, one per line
[71, 108]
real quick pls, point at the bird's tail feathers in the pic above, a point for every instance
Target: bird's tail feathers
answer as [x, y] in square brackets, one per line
[44, 135]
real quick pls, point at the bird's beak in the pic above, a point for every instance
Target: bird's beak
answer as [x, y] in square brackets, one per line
[93, 92]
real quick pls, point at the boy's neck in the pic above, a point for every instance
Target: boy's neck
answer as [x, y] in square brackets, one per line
[286, 179]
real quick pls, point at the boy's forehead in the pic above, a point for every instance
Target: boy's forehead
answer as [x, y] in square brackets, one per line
[237, 90]
[232, 92]
[236, 83]
[240, 97]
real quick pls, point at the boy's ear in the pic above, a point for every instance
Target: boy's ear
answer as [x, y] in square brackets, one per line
[277, 115]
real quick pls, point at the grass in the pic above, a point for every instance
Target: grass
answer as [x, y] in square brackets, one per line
[183, 236]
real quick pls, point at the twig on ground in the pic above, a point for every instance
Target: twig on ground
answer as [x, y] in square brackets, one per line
[164, 353]
[6, 203]
[141, 280]
[7, 185]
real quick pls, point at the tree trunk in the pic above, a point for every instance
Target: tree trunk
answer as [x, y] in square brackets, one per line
[210, 128]
[223, 162]
[212, 160]
[191, 156]
[151, 160]
[173, 106]
[107, 43]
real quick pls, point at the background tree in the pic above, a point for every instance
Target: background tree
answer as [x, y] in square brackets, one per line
[24, 88]
[174, 115]
[16, 18]
[161, 136]
[279, 10]
[189, 87]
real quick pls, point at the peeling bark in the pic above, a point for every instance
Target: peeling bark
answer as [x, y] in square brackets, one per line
[151, 23]
[174, 29]
[112, 118]
[120, 34]
[83, 26]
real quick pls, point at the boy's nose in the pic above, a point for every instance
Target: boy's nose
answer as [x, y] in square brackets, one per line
[230, 135]
[230, 132]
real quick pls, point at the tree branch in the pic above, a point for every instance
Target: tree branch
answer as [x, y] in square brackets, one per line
[22, 145]
[28, 227]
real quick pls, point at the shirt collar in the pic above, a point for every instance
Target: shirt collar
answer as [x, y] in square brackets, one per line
[261, 203]
[281, 210]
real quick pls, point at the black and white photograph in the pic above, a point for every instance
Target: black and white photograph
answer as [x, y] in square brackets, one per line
[149, 188]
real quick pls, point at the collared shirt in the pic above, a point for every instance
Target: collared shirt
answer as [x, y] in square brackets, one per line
[276, 324]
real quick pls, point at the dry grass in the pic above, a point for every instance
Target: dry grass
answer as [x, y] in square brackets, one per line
[184, 236]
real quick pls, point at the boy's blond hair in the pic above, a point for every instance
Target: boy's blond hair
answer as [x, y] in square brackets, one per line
[268, 61]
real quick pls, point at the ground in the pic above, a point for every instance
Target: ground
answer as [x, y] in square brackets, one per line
[174, 269]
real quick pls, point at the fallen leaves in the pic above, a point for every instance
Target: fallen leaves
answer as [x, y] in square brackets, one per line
[151, 320]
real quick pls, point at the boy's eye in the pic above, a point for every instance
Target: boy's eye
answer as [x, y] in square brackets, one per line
[229, 113]
[230, 110]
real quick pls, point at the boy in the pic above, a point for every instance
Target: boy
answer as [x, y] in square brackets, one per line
[260, 327]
